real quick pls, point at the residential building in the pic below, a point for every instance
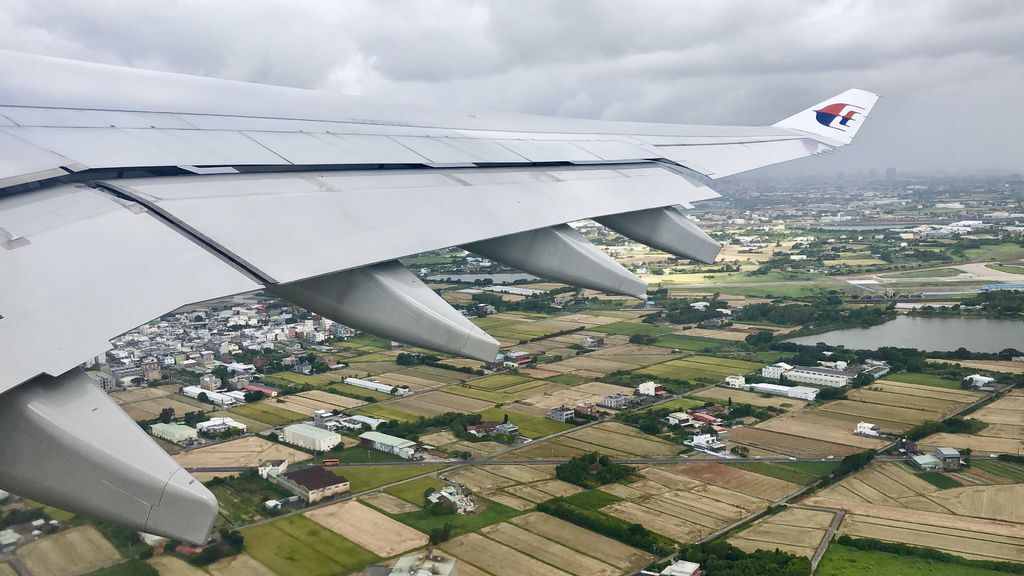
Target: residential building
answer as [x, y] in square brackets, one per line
[679, 419]
[390, 444]
[151, 369]
[209, 382]
[220, 425]
[586, 408]
[979, 382]
[821, 376]
[949, 457]
[702, 418]
[708, 442]
[270, 468]
[482, 429]
[679, 568]
[616, 401]
[377, 386]
[867, 429]
[9, 537]
[735, 381]
[506, 429]
[177, 433]
[650, 389]
[592, 342]
[311, 437]
[313, 483]
[104, 381]
[519, 357]
[561, 414]
[463, 504]
[797, 392]
[775, 371]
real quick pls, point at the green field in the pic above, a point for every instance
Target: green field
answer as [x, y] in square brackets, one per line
[922, 379]
[593, 499]
[1005, 251]
[133, 567]
[690, 343]
[939, 480]
[363, 478]
[385, 411]
[788, 290]
[805, 473]
[297, 545]
[492, 513]
[51, 512]
[568, 379]
[268, 413]
[929, 273]
[842, 560]
[1008, 470]
[497, 381]
[292, 378]
[361, 455]
[1008, 268]
[529, 426]
[631, 328]
[492, 397]
[413, 490]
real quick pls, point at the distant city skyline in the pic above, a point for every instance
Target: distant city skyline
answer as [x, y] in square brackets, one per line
[950, 73]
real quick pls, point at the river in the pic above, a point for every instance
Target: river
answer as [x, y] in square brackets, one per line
[930, 334]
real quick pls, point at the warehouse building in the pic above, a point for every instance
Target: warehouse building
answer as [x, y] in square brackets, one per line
[214, 397]
[390, 444]
[798, 392]
[377, 386]
[311, 437]
[775, 371]
[821, 376]
[220, 425]
[177, 433]
[314, 483]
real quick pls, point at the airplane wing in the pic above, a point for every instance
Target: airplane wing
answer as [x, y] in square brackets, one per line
[126, 194]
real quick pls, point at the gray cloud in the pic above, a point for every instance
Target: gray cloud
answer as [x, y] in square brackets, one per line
[950, 72]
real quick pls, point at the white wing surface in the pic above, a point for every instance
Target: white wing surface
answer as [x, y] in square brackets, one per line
[126, 194]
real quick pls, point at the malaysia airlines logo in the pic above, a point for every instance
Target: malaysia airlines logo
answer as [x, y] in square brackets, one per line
[844, 112]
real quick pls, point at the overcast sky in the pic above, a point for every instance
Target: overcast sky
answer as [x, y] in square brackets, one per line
[950, 71]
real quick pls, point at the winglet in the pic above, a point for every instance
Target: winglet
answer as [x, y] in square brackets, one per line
[836, 120]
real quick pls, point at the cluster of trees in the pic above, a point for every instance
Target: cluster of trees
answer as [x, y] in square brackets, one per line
[870, 544]
[627, 378]
[230, 543]
[847, 466]
[723, 559]
[679, 311]
[442, 507]
[823, 311]
[536, 303]
[1003, 303]
[592, 470]
[642, 339]
[413, 358]
[412, 430]
[955, 425]
[441, 534]
[738, 411]
[16, 516]
[633, 534]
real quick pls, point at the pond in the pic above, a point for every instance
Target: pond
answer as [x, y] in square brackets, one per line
[930, 334]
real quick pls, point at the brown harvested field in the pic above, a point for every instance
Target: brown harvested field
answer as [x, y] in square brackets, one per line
[309, 402]
[591, 447]
[388, 503]
[171, 566]
[628, 443]
[952, 394]
[415, 383]
[497, 559]
[519, 473]
[611, 552]
[150, 409]
[822, 426]
[549, 449]
[556, 488]
[6, 570]
[509, 500]
[993, 365]
[527, 492]
[591, 363]
[438, 438]
[649, 487]
[622, 491]
[589, 392]
[789, 444]
[1006, 410]
[996, 502]
[883, 397]
[670, 478]
[968, 544]
[547, 551]
[75, 551]
[875, 412]
[138, 395]
[986, 444]
[739, 480]
[239, 565]
[368, 528]
[792, 530]
[754, 399]
[247, 451]
[659, 520]
[477, 449]
[434, 403]
[479, 479]
[1004, 431]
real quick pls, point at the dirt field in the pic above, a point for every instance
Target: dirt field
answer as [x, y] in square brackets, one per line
[590, 392]
[981, 444]
[993, 365]
[171, 566]
[75, 551]
[150, 409]
[877, 412]
[248, 451]
[609, 551]
[987, 545]
[792, 530]
[520, 473]
[479, 479]
[547, 551]
[739, 480]
[509, 500]
[754, 399]
[368, 528]
[309, 402]
[434, 403]
[824, 426]
[498, 559]
[240, 565]
[789, 444]
[389, 503]
[415, 383]
[624, 439]
[996, 502]
[6, 570]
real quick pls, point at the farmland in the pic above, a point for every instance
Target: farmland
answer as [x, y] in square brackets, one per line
[1004, 433]
[609, 438]
[248, 451]
[363, 478]
[842, 560]
[238, 565]
[531, 422]
[147, 403]
[268, 412]
[368, 528]
[297, 545]
[793, 530]
[702, 368]
[890, 501]
[74, 551]
[306, 403]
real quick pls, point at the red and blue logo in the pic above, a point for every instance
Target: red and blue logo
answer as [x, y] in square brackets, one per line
[845, 112]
